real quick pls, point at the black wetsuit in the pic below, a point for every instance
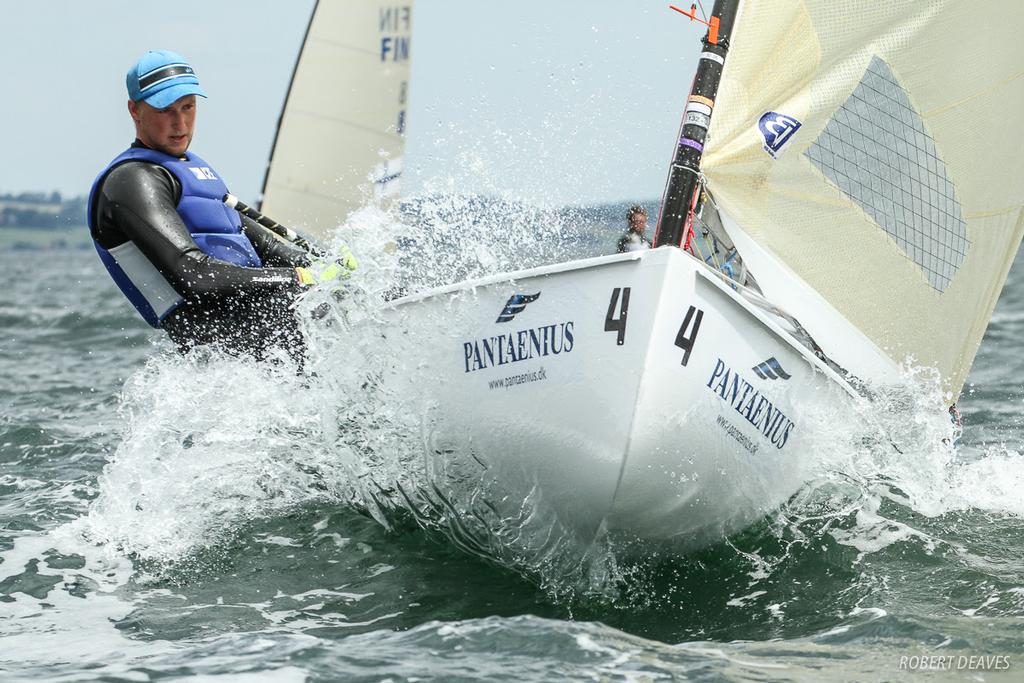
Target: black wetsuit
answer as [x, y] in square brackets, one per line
[238, 308]
[632, 241]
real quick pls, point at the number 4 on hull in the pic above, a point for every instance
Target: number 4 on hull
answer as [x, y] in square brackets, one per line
[686, 340]
[612, 324]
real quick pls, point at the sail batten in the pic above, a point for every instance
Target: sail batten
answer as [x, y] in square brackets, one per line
[371, 130]
[868, 149]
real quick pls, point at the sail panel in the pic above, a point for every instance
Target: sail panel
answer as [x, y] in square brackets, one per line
[876, 149]
[343, 121]
[870, 148]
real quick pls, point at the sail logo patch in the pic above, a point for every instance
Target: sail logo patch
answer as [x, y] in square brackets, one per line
[777, 129]
[770, 369]
[395, 24]
[515, 305]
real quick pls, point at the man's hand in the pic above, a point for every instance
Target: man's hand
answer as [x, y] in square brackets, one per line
[327, 271]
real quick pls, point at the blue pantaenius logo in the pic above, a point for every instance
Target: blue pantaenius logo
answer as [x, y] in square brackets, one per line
[777, 129]
[757, 409]
[515, 347]
[770, 369]
[515, 305]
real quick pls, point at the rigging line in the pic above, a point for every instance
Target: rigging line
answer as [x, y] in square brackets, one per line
[702, 12]
[706, 198]
[799, 332]
[704, 232]
[700, 252]
[712, 259]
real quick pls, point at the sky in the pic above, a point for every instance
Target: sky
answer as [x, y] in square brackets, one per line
[553, 102]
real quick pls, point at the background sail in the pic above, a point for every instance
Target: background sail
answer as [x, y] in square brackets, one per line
[873, 151]
[339, 142]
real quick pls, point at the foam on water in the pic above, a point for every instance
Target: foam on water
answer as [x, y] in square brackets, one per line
[901, 447]
[212, 442]
[209, 443]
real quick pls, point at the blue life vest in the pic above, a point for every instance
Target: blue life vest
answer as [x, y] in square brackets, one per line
[216, 229]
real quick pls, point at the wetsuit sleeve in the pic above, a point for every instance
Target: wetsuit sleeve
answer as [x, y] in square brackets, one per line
[273, 250]
[137, 202]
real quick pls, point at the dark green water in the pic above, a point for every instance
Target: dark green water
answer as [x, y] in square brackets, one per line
[176, 518]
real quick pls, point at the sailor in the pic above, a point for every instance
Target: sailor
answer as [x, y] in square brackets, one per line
[634, 239]
[188, 263]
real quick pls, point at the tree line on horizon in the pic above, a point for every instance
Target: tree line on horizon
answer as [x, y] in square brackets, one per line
[45, 210]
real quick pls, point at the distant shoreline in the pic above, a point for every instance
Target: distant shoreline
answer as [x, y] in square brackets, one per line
[40, 239]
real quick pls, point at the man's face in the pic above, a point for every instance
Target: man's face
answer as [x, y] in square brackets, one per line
[167, 130]
[638, 223]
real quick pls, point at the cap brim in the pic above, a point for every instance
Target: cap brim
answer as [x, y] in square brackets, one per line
[169, 96]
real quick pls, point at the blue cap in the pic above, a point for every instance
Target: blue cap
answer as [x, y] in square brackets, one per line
[161, 78]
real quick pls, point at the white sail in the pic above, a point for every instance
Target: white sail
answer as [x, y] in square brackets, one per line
[871, 152]
[340, 139]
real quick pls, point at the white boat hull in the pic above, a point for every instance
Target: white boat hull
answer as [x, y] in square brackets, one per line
[680, 416]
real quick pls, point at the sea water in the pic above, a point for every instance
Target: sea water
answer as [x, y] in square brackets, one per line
[206, 517]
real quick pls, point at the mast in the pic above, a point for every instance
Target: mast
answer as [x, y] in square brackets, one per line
[680, 190]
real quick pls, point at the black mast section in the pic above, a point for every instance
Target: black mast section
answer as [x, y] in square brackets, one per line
[679, 199]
